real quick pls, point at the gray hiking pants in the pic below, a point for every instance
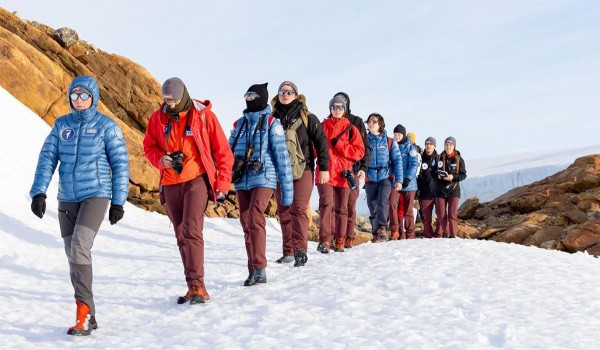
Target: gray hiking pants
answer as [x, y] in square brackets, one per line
[79, 223]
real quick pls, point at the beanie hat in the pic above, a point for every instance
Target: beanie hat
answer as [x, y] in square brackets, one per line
[172, 89]
[346, 97]
[432, 140]
[80, 89]
[339, 100]
[451, 140]
[259, 103]
[412, 137]
[287, 82]
[400, 129]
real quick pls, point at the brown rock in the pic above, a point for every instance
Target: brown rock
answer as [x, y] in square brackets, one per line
[579, 239]
[516, 234]
[545, 234]
[468, 208]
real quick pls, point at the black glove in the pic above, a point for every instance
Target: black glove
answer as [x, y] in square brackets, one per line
[405, 182]
[334, 141]
[38, 205]
[115, 213]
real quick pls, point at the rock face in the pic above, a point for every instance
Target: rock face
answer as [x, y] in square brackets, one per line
[560, 212]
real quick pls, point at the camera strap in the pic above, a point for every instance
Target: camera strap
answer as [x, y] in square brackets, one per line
[169, 127]
[237, 137]
[250, 143]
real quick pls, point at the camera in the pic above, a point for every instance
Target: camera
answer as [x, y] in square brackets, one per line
[349, 176]
[442, 173]
[254, 165]
[177, 158]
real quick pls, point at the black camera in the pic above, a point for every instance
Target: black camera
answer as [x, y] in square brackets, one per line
[239, 167]
[442, 173]
[349, 176]
[254, 165]
[177, 159]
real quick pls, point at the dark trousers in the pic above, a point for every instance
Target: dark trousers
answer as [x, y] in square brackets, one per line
[446, 210]
[186, 203]
[378, 201]
[294, 219]
[426, 206]
[352, 198]
[333, 211]
[252, 208]
[79, 222]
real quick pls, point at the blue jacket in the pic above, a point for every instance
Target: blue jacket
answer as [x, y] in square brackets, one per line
[384, 161]
[270, 149]
[410, 163]
[92, 154]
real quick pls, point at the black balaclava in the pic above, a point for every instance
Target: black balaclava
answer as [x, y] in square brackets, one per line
[261, 102]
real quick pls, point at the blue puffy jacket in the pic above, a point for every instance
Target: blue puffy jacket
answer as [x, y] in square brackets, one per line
[384, 161]
[410, 163]
[92, 154]
[270, 149]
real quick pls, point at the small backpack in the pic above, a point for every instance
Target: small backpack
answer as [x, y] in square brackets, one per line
[295, 149]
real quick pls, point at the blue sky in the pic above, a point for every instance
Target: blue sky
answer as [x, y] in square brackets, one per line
[500, 76]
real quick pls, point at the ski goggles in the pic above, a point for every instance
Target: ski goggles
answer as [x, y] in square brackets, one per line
[338, 107]
[83, 95]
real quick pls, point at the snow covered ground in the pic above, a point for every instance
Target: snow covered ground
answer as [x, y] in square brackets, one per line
[420, 294]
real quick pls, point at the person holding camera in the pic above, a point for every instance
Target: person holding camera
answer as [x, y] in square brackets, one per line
[261, 159]
[290, 109]
[384, 172]
[426, 184]
[450, 172]
[345, 148]
[93, 171]
[185, 141]
[403, 227]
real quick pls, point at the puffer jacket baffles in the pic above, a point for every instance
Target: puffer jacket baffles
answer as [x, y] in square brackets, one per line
[410, 163]
[384, 162]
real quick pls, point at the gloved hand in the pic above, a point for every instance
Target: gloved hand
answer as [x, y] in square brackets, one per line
[115, 213]
[38, 205]
[405, 182]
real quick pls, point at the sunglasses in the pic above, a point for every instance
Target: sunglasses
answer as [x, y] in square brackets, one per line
[428, 143]
[339, 108]
[286, 92]
[83, 95]
[251, 95]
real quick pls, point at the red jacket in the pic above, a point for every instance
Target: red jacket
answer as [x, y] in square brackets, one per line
[214, 153]
[348, 149]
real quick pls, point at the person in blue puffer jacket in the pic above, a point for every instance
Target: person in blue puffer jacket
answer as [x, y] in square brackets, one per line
[402, 218]
[93, 171]
[384, 172]
[260, 138]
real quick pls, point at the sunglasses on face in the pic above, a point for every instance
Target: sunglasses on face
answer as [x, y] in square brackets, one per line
[338, 107]
[286, 92]
[83, 95]
[251, 95]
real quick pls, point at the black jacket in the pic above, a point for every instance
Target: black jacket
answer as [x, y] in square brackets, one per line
[455, 166]
[427, 177]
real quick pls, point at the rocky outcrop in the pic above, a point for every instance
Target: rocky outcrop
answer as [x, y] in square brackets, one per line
[560, 212]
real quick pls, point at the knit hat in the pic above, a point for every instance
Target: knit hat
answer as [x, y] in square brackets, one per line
[400, 129]
[287, 82]
[339, 100]
[432, 140]
[80, 89]
[412, 137]
[172, 89]
[346, 97]
[451, 140]
[259, 103]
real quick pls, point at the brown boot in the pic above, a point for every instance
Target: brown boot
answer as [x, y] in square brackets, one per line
[339, 244]
[395, 235]
[349, 243]
[83, 324]
[195, 295]
[382, 234]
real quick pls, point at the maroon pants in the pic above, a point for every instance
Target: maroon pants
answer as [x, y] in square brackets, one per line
[252, 208]
[426, 206]
[294, 219]
[404, 225]
[333, 211]
[352, 197]
[393, 214]
[446, 210]
[186, 203]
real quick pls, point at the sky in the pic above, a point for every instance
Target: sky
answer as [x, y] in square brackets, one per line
[417, 294]
[501, 76]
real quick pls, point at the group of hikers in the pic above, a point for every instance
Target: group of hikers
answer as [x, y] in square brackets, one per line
[276, 148]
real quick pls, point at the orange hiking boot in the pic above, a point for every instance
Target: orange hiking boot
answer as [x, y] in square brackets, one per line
[349, 243]
[195, 295]
[339, 244]
[395, 236]
[84, 323]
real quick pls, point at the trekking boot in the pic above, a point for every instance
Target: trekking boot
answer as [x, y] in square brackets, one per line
[395, 235]
[349, 243]
[83, 324]
[251, 280]
[286, 259]
[339, 244]
[300, 257]
[382, 234]
[323, 247]
[195, 295]
[260, 276]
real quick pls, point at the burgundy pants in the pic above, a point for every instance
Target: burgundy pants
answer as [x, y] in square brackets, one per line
[186, 203]
[408, 222]
[252, 208]
[352, 198]
[294, 219]
[427, 215]
[446, 210]
[333, 211]
[393, 214]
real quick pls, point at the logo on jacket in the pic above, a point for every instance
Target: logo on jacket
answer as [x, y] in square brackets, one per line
[440, 164]
[91, 131]
[424, 166]
[67, 134]
[278, 130]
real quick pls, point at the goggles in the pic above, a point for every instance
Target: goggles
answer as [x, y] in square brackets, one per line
[338, 107]
[83, 95]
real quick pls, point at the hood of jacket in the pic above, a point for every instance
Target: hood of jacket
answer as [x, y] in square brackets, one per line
[92, 86]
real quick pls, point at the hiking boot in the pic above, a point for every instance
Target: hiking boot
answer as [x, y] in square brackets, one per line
[286, 259]
[251, 280]
[323, 247]
[395, 235]
[260, 276]
[339, 244]
[349, 243]
[195, 295]
[83, 324]
[300, 257]
[382, 234]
